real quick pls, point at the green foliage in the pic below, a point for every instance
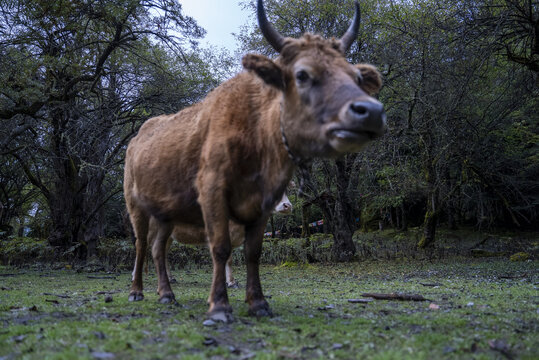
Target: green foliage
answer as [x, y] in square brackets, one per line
[79, 79]
[23, 251]
[520, 256]
[460, 90]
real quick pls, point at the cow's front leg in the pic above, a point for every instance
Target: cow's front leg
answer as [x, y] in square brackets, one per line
[159, 253]
[258, 306]
[220, 248]
[212, 200]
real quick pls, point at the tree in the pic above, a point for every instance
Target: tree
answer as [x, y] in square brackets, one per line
[79, 79]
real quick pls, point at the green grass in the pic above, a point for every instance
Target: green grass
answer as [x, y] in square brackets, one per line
[479, 301]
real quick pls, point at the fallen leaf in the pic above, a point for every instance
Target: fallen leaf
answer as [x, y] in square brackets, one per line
[433, 306]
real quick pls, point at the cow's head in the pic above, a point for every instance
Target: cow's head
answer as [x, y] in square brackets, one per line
[327, 106]
[284, 206]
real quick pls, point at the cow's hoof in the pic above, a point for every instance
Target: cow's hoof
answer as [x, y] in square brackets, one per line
[233, 285]
[136, 296]
[221, 316]
[261, 309]
[167, 299]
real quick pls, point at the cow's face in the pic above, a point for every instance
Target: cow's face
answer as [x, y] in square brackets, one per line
[327, 105]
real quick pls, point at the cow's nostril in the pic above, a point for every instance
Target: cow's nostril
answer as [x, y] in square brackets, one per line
[359, 108]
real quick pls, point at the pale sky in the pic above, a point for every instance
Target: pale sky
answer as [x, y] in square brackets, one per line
[220, 18]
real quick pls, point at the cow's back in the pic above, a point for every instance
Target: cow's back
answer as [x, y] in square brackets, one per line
[161, 164]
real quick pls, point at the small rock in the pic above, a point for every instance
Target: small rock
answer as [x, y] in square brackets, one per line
[108, 298]
[234, 350]
[448, 349]
[99, 335]
[103, 355]
[470, 304]
[19, 339]
[209, 322]
[210, 341]
[221, 316]
[336, 346]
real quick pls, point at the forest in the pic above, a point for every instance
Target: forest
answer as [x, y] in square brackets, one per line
[461, 86]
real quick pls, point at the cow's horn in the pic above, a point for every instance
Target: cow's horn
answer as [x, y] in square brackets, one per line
[351, 34]
[274, 38]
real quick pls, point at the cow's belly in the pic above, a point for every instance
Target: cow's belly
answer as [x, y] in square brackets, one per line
[177, 206]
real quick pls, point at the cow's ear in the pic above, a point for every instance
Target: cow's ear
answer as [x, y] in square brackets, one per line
[371, 79]
[265, 68]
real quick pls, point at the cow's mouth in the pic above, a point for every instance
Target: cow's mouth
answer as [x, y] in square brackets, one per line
[353, 135]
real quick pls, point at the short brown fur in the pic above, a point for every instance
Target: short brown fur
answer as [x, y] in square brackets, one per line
[224, 159]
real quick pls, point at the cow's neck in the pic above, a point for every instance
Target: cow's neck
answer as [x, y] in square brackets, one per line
[302, 164]
[277, 164]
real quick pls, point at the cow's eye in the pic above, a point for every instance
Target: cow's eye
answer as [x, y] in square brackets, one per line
[302, 76]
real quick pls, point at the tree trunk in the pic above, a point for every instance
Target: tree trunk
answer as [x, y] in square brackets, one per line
[343, 221]
[430, 222]
[305, 213]
[343, 246]
[93, 228]
[404, 218]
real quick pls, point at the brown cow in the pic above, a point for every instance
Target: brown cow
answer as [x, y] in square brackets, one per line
[194, 235]
[231, 156]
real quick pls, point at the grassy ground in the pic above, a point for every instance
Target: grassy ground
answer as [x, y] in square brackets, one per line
[480, 308]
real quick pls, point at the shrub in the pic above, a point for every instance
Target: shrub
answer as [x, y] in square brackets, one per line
[22, 250]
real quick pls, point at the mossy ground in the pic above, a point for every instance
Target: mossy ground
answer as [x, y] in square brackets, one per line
[485, 308]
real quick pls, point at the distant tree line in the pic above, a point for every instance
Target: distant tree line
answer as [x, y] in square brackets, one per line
[460, 90]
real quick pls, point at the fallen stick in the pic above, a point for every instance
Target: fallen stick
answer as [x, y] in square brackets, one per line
[520, 276]
[58, 295]
[395, 296]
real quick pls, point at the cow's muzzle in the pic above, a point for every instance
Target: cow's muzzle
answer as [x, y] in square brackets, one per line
[367, 117]
[360, 122]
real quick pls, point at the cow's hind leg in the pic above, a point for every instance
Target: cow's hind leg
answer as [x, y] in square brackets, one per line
[171, 278]
[140, 227]
[230, 281]
[258, 306]
[159, 253]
